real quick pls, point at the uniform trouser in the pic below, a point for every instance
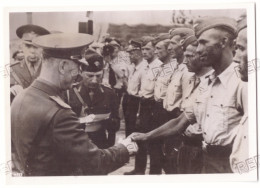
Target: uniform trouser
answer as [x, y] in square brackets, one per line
[99, 138]
[156, 147]
[189, 159]
[146, 111]
[132, 106]
[216, 159]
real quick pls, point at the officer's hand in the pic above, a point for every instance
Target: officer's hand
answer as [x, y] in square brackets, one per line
[130, 145]
[16, 89]
[138, 137]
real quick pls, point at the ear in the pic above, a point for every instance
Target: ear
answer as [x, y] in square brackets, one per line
[224, 42]
[62, 66]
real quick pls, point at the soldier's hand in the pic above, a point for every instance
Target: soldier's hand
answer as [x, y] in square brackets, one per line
[130, 145]
[138, 136]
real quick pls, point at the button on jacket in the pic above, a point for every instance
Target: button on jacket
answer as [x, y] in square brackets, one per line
[49, 140]
[219, 107]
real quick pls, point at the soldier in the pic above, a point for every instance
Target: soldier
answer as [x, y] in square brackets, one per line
[47, 134]
[190, 152]
[24, 72]
[134, 85]
[160, 115]
[240, 152]
[220, 103]
[176, 89]
[147, 101]
[90, 97]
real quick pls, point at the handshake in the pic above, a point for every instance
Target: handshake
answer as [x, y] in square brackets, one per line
[130, 142]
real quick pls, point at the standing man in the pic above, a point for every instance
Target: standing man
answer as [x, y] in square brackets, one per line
[190, 152]
[240, 152]
[220, 104]
[24, 72]
[160, 115]
[91, 97]
[47, 134]
[134, 85]
[147, 102]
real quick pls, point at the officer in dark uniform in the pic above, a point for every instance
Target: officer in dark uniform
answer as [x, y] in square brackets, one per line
[96, 99]
[24, 72]
[47, 135]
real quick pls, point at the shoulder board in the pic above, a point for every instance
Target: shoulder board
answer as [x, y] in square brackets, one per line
[60, 102]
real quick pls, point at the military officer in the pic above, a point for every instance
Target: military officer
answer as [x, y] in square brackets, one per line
[96, 99]
[47, 135]
[24, 72]
[220, 104]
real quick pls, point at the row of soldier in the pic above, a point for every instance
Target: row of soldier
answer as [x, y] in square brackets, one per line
[167, 86]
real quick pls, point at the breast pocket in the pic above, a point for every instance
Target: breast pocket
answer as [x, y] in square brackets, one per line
[223, 111]
[200, 108]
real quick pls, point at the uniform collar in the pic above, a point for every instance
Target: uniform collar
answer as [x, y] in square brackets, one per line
[141, 64]
[46, 87]
[155, 63]
[226, 74]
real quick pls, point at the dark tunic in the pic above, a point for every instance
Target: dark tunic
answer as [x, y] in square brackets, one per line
[49, 140]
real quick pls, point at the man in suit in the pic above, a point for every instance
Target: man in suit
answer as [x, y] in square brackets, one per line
[47, 135]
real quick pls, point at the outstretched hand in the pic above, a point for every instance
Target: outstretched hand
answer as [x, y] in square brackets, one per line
[130, 145]
[138, 136]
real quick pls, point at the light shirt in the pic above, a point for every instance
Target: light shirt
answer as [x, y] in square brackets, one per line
[179, 86]
[148, 79]
[134, 80]
[219, 107]
[163, 78]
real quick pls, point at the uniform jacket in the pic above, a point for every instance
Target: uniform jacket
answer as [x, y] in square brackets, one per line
[104, 101]
[48, 138]
[19, 69]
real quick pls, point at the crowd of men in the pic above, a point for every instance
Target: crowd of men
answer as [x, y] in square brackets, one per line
[183, 103]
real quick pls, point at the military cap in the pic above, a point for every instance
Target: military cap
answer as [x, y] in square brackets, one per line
[183, 32]
[134, 45]
[64, 45]
[28, 32]
[108, 49]
[94, 61]
[241, 23]
[206, 23]
[146, 39]
[189, 40]
[161, 37]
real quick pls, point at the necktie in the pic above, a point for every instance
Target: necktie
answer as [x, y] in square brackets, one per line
[111, 77]
[91, 95]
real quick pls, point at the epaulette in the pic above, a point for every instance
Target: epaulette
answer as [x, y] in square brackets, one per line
[60, 102]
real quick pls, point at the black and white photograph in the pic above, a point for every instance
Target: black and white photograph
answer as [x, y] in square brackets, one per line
[131, 93]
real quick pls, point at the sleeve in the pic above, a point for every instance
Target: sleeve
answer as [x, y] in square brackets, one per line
[72, 142]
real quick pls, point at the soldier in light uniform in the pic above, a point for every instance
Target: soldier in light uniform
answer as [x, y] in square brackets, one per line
[47, 134]
[24, 72]
[134, 85]
[240, 151]
[91, 97]
[147, 101]
[220, 104]
[190, 152]
[160, 115]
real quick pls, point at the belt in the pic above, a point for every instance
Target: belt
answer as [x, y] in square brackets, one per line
[216, 150]
[193, 141]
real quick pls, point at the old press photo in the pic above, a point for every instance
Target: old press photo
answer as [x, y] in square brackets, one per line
[132, 93]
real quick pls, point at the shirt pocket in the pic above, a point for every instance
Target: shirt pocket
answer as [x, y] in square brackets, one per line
[223, 110]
